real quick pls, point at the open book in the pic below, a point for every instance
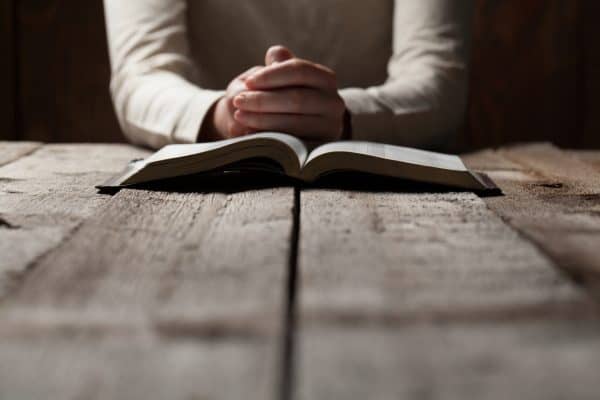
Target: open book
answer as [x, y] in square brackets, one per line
[284, 154]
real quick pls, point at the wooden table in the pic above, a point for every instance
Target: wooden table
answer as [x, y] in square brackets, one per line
[275, 292]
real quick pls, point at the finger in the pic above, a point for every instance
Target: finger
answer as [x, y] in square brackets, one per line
[249, 72]
[236, 129]
[277, 54]
[289, 101]
[237, 85]
[309, 126]
[294, 72]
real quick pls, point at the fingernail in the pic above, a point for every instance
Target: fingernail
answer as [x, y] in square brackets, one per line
[237, 114]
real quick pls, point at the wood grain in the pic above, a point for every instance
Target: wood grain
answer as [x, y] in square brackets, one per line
[553, 198]
[176, 294]
[11, 151]
[534, 76]
[591, 72]
[46, 195]
[591, 157]
[429, 295]
[64, 72]
[414, 255]
[144, 366]
[513, 359]
[8, 128]
[526, 73]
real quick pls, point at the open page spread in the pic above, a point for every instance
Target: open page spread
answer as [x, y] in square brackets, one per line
[292, 155]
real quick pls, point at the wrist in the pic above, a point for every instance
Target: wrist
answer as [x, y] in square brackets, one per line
[211, 129]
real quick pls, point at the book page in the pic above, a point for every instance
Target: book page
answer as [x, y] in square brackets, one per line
[175, 151]
[393, 153]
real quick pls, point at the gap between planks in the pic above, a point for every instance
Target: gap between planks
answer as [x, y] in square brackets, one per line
[65, 317]
[288, 353]
[436, 295]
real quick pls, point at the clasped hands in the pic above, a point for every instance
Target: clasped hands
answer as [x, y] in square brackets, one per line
[288, 94]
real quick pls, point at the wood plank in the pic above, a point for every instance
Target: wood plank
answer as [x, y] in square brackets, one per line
[394, 254]
[553, 199]
[385, 276]
[64, 72]
[178, 281]
[180, 256]
[11, 151]
[517, 360]
[526, 67]
[591, 72]
[146, 366]
[8, 128]
[591, 157]
[46, 195]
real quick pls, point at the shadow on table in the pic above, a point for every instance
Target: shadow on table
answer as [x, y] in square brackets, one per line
[241, 181]
[364, 182]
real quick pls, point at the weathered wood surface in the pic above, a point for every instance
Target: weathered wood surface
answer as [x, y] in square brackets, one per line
[590, 10]
[8, 73]
[182, 291]
[553, 198]
[405, 295]
[45, 195]
[588, 156]
[64, 72]
[11, 151]
[534, 73]
[146, 294]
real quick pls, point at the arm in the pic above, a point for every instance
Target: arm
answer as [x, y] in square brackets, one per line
[151, 83]
[424, 98]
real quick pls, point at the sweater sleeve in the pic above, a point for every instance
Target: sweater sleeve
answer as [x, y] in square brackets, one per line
[422, 103]
[152, 72]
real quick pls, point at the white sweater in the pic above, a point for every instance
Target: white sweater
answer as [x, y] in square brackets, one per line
[400, 64]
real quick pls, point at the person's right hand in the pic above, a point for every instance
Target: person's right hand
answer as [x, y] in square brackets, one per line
[221, 124]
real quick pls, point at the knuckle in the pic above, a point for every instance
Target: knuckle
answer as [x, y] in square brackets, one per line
[296, 63]
[299, 67]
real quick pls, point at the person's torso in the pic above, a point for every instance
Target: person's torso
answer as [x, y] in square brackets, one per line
[353, 37]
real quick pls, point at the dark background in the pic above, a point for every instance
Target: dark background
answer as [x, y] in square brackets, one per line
[535, 72]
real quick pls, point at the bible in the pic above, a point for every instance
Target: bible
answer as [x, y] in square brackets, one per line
[284, 154]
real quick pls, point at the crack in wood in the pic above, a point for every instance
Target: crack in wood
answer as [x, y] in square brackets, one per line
[29, 148]
[17, 279]
[7, 225]
[288, 347]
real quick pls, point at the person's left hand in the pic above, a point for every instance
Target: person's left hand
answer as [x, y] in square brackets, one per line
[292, 95]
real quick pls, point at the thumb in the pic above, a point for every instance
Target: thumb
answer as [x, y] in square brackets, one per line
[277, 54]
